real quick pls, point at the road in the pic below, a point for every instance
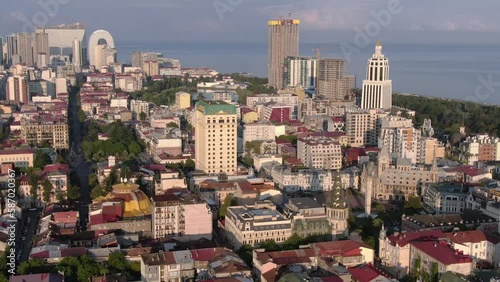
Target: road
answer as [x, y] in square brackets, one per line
[26, 229]
[78, 163]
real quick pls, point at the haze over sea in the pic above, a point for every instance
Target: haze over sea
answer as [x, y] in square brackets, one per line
[445, 71]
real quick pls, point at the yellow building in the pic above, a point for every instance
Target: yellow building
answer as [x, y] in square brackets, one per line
[20, 158]
[249, 116]
[151, 68]
[135, 202]
[216, 125]
[182, 100]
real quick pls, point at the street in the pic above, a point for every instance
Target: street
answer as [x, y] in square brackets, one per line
[78, 163]
[26, 228]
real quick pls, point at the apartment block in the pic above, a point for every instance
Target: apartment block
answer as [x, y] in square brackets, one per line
[20, 158]
[181, 215]
[362, 127]
[480, 148]
[258, 132]
[322, 152]
[52, 129]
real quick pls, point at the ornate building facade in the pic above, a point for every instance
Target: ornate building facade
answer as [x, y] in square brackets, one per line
[391, 178]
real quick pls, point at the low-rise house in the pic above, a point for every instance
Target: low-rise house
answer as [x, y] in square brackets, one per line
[368, 273]
[348, 253]
[479, 245]
[438, 252]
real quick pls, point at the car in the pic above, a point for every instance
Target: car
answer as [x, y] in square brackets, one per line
[33, 209]
[24, 238]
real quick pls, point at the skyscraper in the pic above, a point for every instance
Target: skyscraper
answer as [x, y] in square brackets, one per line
[1, 51]
[300, 71]
[377, 88]
[283, 42]
[98, 39]
[61, 38]
[40, 48]
[216, 137]
[25, 48]
[11, 48]
[77, 59]
[331, 82]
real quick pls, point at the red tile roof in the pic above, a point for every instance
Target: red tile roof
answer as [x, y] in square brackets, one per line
[441, 251]
[344, 248]
[287, 257]
[65, 217]
[474, 236]
[15, 152]
[403, 239]
[364, 273]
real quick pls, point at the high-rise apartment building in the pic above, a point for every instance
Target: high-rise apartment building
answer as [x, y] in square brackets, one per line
[101, 45]
[151, 68]
[283, 42]
[400, 138]
[377, 88]
[216, 124]
[331, 82]
[11, 48]
[40, 49]
[137, 107]
[300, 71]
[25, 48]
[181, 215]
[362, 127]
[182, 100]
[17, 89]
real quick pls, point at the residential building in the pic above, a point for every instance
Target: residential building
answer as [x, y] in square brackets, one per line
[323, 152]
[181, 215]
[137, 107]
[486, 219]
[331, 83]
[309, 179]
[185, 265]
[479, 245]
[480, 148]
[430, 149]
[52, 129]
[20, 158]
[17, 89]
[282, 99]
[216, 124]
[400, 138]
[300, 71]
[444, 197]
[258, 132]
[251, 225]
[151, 68]
[348, 253]
[283, 42]
[440, 253]
[362, 127]
[182, 100]
[377, 88]
[394, 251]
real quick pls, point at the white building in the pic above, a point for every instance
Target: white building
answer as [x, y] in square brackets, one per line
[377, 88]
[323, 153]
[61, 38]
[137, 107]
[399, 137]
[258, 132]
[300, 71]
[100, 38]
[480, 148]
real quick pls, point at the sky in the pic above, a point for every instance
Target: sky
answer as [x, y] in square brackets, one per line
[409, 21]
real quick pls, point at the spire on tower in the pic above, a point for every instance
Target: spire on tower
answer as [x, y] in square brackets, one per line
[379, 43]
[337, 197]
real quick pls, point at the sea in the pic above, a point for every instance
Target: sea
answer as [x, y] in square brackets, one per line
[460, 72]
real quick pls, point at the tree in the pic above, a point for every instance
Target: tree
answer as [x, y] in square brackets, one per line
[377, 222]
[117, 262]
[189, 165]
[41, 159]
[47, 190]
[33, 266]
[142, 116]
[380, 208]
[73, 193]
[434, 272]
[225, 205]
[172, 125]
[97, 192]
[413, 203]
[270, 246]
[33, 182]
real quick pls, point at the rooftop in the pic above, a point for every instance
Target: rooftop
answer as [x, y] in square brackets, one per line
[441, 251]
[305, 203]
[216, 108]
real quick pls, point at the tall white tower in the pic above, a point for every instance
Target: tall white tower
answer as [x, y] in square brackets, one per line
[77, 53]
[377, 88]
